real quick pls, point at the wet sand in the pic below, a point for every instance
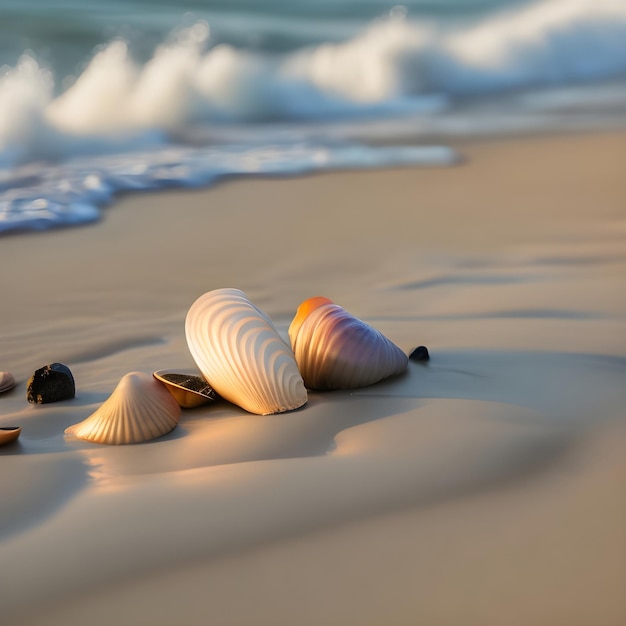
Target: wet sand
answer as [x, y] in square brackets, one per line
[485, 487]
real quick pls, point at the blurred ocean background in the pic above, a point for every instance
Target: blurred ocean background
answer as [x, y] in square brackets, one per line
[101, 97]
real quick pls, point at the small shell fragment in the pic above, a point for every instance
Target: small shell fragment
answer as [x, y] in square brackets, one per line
[6, 381]
[189, 390]
[9, 434]
[139, 409]
[335, 350]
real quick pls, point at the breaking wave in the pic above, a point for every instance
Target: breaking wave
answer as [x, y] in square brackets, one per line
[119, 106]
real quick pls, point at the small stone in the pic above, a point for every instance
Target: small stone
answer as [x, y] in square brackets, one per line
[51, 383]
[420, 354]
[9, 434]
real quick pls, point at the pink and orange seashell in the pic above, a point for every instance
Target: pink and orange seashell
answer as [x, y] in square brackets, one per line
[335, 350]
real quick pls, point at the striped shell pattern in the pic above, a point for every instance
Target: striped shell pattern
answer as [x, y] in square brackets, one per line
[241, 355]
[335, 350]
[139, 409]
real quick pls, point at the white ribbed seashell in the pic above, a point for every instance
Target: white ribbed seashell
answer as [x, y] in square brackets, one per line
[6, 381]
[241, 355]
[139, 409]
[335, 350]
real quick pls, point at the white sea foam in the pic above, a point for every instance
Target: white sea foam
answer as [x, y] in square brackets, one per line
[386, 67]
[37, 198]
[189, 86]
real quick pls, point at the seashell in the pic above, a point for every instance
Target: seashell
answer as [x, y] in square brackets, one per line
[139, 409]
[188, 389]
[9, 434]
[335, 350]
[6, 381]
[241, 355]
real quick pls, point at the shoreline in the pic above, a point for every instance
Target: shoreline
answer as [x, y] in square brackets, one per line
[457, 143]
[481, 488]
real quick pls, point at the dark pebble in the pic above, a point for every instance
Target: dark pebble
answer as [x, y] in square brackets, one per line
[420, 354]
[51, 383]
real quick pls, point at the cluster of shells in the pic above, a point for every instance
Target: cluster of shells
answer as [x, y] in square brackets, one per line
[244, 360]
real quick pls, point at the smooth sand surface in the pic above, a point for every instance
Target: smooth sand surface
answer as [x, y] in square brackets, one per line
[483, 488]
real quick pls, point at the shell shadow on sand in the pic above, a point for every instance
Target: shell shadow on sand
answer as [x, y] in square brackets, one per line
[223, 434]
[49, 473]
[564, 387]
[39, 490]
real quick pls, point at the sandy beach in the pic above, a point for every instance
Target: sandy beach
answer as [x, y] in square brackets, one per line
[483, 488]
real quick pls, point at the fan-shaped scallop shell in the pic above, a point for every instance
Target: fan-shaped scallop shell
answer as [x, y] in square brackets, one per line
[139, 409]
[241, 355]
[6, 381]
[335, 350]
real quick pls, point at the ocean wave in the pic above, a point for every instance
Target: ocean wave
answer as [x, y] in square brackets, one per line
[395, 65]
[120, 123]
